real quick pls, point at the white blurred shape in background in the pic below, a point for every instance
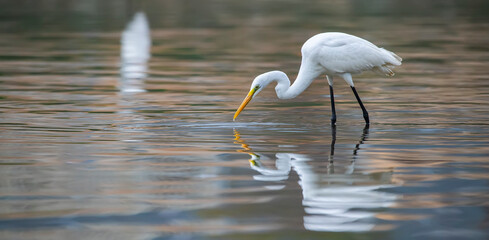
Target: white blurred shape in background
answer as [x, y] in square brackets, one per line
[135, 53]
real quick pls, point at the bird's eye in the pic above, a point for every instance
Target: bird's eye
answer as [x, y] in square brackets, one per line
[257, 87]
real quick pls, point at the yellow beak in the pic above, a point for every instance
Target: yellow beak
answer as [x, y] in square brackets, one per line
[244, 103]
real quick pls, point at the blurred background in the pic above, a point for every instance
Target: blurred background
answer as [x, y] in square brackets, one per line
[97, 16]
[116, 122]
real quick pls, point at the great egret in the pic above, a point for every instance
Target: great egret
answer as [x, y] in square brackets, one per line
[331, 53]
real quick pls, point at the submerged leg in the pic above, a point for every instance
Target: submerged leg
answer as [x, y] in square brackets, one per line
[365, 113]
[331, 95]
[363, 138]
[351, 168]
[349, 80]
[331, 153]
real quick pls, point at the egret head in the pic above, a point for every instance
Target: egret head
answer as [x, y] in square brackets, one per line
[260, 82]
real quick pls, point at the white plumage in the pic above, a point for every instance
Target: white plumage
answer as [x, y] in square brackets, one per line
[340, 53]
[332, 53]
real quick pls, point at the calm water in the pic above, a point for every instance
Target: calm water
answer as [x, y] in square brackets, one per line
[117, 125]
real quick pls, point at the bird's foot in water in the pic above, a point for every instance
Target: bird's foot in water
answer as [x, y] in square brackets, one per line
[333, 121]
[367, 120]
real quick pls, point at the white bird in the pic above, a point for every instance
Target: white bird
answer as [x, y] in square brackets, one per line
[331, 53]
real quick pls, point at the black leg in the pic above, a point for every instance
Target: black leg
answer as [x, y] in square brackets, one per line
[365, 113]
[333, 110]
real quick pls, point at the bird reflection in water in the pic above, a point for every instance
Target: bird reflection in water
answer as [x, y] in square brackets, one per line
[333, 202]
[135, 53]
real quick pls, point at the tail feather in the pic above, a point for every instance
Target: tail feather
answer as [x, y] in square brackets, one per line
[391, 60]
[384, 70]
[399, 59]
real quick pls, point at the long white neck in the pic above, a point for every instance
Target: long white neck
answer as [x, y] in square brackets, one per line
[306, 75]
